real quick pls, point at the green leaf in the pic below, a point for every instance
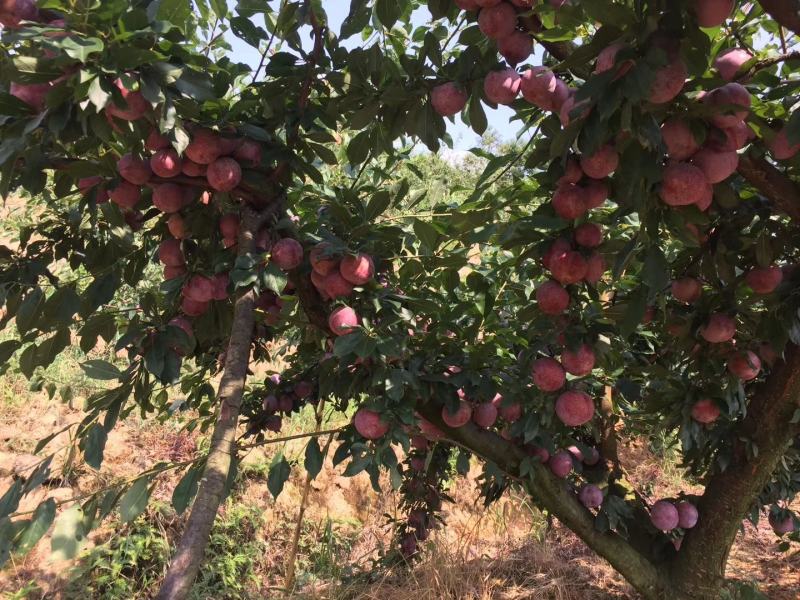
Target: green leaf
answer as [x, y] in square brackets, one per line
[359, 147]
[68, 534]
[187, 488]
[655, 272]
[274, 278]
[279, 472]
[135, 500]
[176, 12]
[80, 48]
[634, 311]
[97, 95]
[29, 310]
[9, 502]
[427, 234]
[388, 11]
[94, 446]
[314, 458]
[40, 522]
[7, 350]
[101, 369]
[220, 8]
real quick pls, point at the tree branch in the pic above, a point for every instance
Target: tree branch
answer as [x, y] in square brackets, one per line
[785, 12]
[777, 187]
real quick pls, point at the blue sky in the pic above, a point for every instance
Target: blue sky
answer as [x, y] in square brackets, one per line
[463, 137]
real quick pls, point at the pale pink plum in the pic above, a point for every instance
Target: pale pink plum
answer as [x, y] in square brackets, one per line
[679, 139]
[336, 286]
[589, 235]
[668, 83]
[156, 141]
[571, 108]
[745, 365]
[12, 12]
[485, 415]
[687, 514]
[600, 164]
[468, 4]
[764, 280]
[712, 13]
[718, 329]
[204, 148]
[177, 227]
[448, 99]
[576, 452]
[502, 87]
[166, 163]
[591, 496]
[515, 48]
[319, 283]
[595, 268]
[221, 282]
[498, 21]
[174, 272]
[287, 254]
[595, 193]
[716, 166]
[732, 138]
[538, 84]
[780, 148]
[569, 201]
[199, 288]
[125, 195]
[706, 199]
[607, 60]
[224, 174]
[87, 184]
[572, 173]
[170, 253]
[560, 464]
[248, 153]
[730, 61]
[343, 320]
[580, 361]
[548, 375]
[687, 290]
[574, 408]
[419, 442]
[552, 298]
[511, 412]
[682, 184]
[568, 268]
[358, 269]
[321, 259]
[664, 515]
[168, 197]
[193, 169]
[32, 94]
[705, 411]
[134, 169]
[560, 96]
[459, 418]
[133, 109]
[560, 246]
[229, 225]
[429, 430]
[194, 308]
[370, 424]
[781, 526]
[726, 98]
[229, 143]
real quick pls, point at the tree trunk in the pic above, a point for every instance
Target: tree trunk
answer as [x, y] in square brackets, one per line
[210, 493]
[699, 568]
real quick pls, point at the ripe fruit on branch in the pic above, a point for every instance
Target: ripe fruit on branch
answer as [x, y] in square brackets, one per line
[591, 496]
[718, 329]
[370, 424]
[780, 148]
[134, 169]
[595, 268]
[728, 98]
[321, 260]
[12, 12]
[248, 153]
[687, 290]
[156, 141]
[728, 62]
[358, 269]
[448, 99]
[486, 3]
[679, 139]
[459, 418]
[568, 267]
[194, 308]
[229, 226]
[764, 280]
[552, 298]
[343, 320]
[579, 362]
[548, 375]
[510, 412]
[184, 324]
[745, 365]
[224, 174]
[336, 286]
[134, 107]
[560, 246]
[199, 288]
[303, 389]
[287, 254]
[87, 184]
[498, 21]
[569, 201]
[516, 47]
[668, 83]
[570, 107]
[468, 4]
[125, 195]
[781, 526]
[687, 514]
[589, 235]
[171, 272]
[192, 169]
[485, 415]
[429, 430]
[712, 13]
[221, 282]
[705, 411]
[502, 87]
[539, 86]
[664, 515]
[716, 166]
[168, 197]
[572, 172]
[600, 164]
[560, 464]
[32, 94]
[166, 163]
[204, 147]
[574, 408]
[170, 253]
[595, 193]
[682, 184]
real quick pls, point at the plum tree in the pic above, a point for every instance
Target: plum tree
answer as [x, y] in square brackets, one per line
[282, 201]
